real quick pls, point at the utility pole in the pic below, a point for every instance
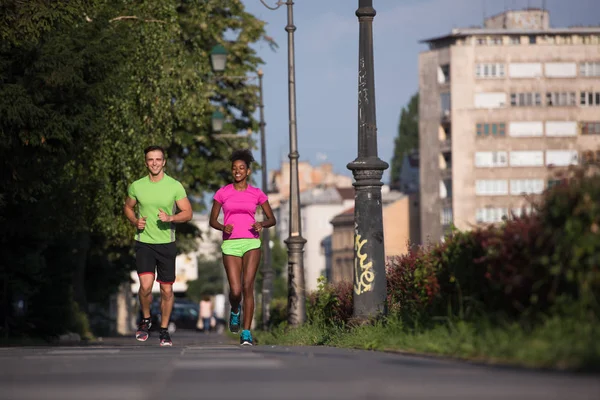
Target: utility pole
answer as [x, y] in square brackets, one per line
[369, 259]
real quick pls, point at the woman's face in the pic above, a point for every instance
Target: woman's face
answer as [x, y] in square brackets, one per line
[239, 170]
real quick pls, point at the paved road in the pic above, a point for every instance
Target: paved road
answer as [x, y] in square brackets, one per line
[213, 367]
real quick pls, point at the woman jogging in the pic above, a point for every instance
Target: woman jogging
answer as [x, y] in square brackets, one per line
[241, 238]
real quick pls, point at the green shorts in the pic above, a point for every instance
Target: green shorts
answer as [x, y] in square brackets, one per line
[238, 247]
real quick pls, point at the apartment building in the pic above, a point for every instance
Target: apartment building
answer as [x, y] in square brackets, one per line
[501, 108]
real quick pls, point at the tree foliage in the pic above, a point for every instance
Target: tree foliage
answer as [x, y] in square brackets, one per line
[407, 139]
[86, 85]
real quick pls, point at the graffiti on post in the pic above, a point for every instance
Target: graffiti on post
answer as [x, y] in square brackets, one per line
[363, 93]
[363, 271]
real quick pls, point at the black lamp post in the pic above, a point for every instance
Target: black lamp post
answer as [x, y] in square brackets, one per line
[295, 242]
[367, 168]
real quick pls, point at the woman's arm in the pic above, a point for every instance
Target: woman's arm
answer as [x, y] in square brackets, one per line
[270, 221]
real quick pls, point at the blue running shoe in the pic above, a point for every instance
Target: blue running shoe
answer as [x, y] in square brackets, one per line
[234, 322]
[246, 338]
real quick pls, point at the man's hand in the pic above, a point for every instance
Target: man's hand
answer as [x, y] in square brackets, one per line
[257, 226]
[163, 216]
[141, 223]
[228, 229]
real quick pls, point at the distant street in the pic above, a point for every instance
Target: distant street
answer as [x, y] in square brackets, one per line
[213, 367]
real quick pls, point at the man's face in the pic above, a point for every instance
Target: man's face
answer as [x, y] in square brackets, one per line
[155, 161]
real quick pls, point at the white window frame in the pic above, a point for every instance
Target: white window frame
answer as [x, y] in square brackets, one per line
[561, 99]
[490, 71]
[490, 214]
[527, 158]
[499, 159]
[560, 70]
[589, 68]
[572, 155]
[491, 187]
[525, 99]
[588, 99]
[561, 128]
[525, 129]
[526, 186]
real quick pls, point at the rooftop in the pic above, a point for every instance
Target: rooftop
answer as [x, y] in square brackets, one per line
[531, 21]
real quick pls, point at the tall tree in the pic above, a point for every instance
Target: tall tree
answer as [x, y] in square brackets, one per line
[407, 139]
[85, 87]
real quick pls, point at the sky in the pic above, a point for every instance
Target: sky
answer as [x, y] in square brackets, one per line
[326, 44]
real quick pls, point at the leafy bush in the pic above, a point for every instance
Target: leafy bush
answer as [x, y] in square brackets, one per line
[330, 304]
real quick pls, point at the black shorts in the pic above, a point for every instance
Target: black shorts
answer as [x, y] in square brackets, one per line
[160, 257]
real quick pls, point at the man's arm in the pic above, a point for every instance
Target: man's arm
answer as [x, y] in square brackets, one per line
[184, 214]
[129, 210]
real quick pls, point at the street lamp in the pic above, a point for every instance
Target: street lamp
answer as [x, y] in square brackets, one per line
[295, 242]
[367, 168]
[218, 58]
[217, 121]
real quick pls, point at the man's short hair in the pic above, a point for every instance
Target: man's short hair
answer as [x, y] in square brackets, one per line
[154, 148]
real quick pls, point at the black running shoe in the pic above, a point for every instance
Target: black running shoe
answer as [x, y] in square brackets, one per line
[165, 338]
[143, 331]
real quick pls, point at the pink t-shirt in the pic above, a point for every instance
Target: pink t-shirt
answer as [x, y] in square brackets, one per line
[239, 210]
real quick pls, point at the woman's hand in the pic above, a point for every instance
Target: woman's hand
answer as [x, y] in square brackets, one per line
[257, 226]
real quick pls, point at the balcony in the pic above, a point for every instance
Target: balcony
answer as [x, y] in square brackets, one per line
[446, 146]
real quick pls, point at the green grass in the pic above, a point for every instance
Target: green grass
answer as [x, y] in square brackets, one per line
[566, 343]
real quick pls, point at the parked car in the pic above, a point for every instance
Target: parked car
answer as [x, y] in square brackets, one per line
[184, 315]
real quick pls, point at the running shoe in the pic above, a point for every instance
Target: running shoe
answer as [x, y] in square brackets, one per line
[165, 338]
[234, 322]
[246, 338]
[143, 331]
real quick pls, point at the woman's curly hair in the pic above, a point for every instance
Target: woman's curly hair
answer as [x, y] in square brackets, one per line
[244, 155]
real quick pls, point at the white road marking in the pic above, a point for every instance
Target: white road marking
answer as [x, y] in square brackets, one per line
[83, 352]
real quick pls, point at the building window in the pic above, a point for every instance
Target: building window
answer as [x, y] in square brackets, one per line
[590, 128]
[515, 40]
[490, 214]
[525, 70]
[444, 73]
[553, 182]
[491, 187]
[590, 99]
[445, 104]
[496, 41]
[561, 99]
[446, 216]
[560, 69]
[522, 211]
[493, 129]
[589, 68]
[489, 70]
[526, 186]
[526, 158]
[561, 158]
[481, 41]
[561, 128]
[525, 99]
[489, 159]
[590, 157]
[532, 39]
[526, 129]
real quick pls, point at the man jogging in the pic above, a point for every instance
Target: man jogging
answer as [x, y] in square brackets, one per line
[157, 197]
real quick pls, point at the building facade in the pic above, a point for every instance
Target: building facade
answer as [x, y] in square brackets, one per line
[501, 108]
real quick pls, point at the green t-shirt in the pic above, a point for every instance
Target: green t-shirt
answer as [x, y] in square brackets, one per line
[151, 196]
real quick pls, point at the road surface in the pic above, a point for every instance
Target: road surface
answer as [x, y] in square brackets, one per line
[211, 366]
